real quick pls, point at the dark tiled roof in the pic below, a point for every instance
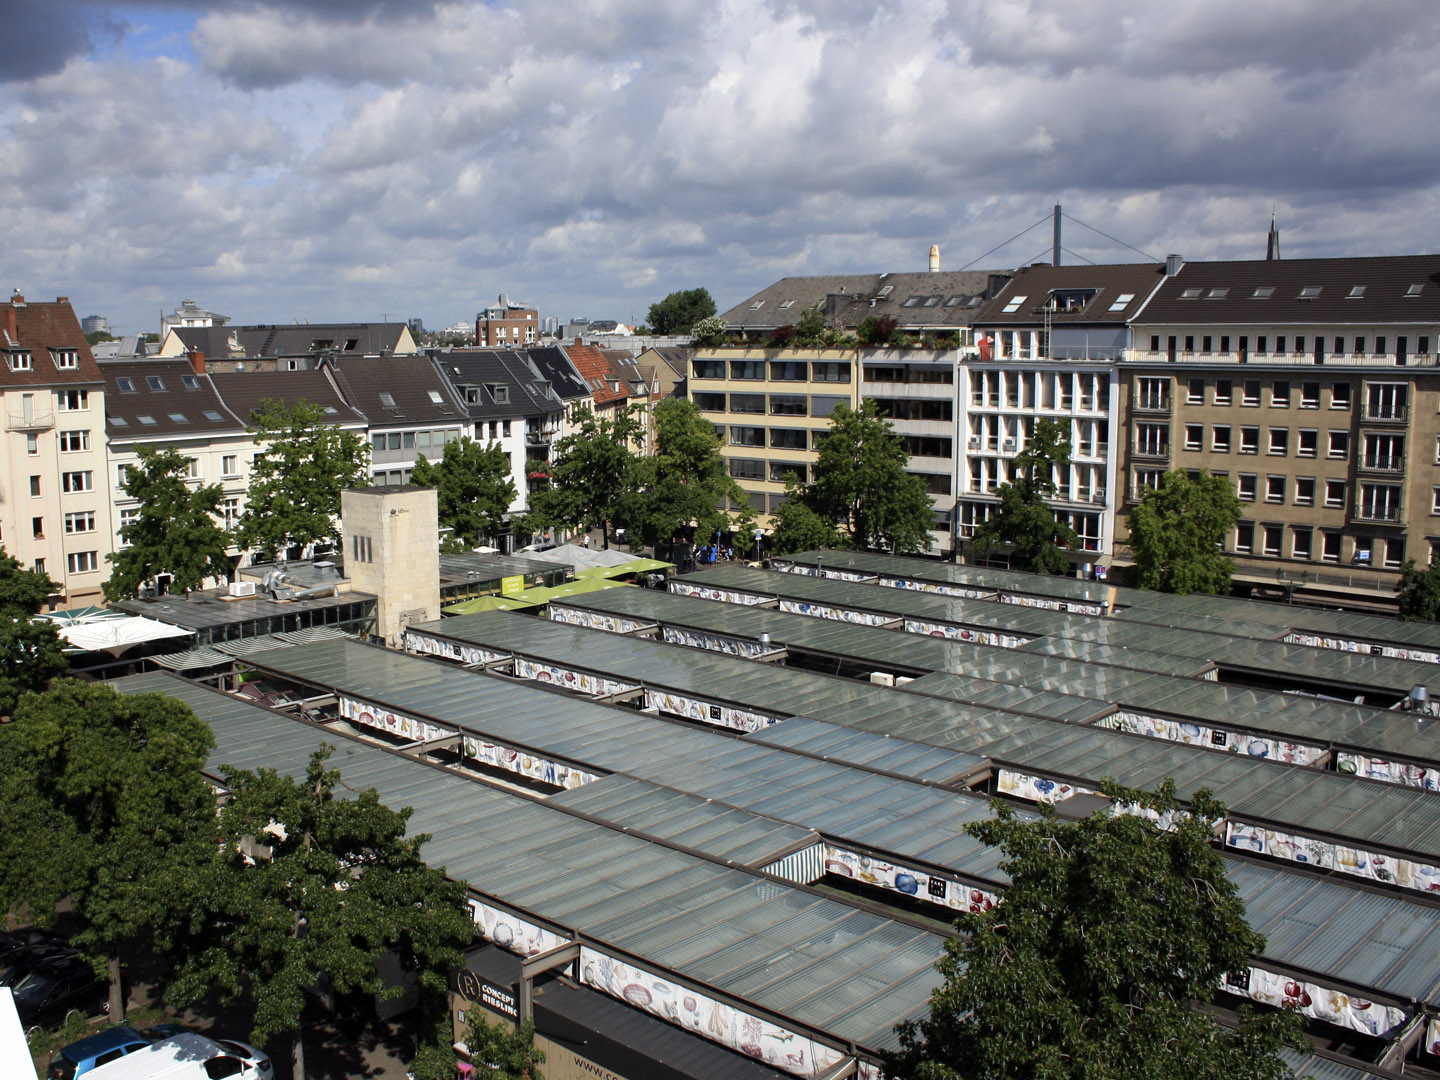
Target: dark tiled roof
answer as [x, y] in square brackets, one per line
[677, 359]
[42, 329]
[526, 390]
[244, 391]
[1386, 283]
[398, 390]
[162, 398]
[1033, 286]
[302, 339]
[943, 299]
[556, 367]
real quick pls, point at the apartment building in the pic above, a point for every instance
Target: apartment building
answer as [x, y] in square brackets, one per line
[54, 513]
[507, 325]
[769, 407]
[411, 409]
[1047, 347]
[285, 347]
[172, 405]
[1312, 385]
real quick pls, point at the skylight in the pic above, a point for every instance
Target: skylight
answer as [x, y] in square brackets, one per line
[757, 305]
[126, 385]
[932, 301]
[330, 410]
[148, 421]
[387, 399]
[1263, 292]
[913, 301]
[190, 381]
[1121, 300]
[1190, 294]
[1217, 294]
[155, 382]
[1356, 292]
[786, 303]
[117, 421]
[178, 418]
[1013, 304]
[211, 414]
[956, 300]
[435, 397]
[1311, 292]
[1414, 290]
[884, 292]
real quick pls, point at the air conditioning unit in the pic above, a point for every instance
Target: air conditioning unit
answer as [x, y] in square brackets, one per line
[1009, 444]
[242, 588]
[882, 678]
[975, 444]
[1099, 494]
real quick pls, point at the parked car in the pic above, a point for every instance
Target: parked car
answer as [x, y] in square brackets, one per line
[258, 1059]
[188, 1057]
[81, 1056]
[15, 963]
[49, 988]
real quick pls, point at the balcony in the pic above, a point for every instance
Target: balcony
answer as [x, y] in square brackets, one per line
[1389, 464]
[1151, 452]
[29, 422]
[1385, 413]
[1378, 513]
[1148, 405]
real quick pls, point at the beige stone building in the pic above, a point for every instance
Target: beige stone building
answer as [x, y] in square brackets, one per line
[1312, 385]
[391, 552]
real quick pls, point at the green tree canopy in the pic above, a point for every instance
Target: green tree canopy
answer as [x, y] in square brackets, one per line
[685, 480]
[797, 527]
[1024, 519]
[1419, 589]
[680, 311]
[593, 473]
[104, 802]
[336, 886]
[1177, 533]
[297, 478]
[474, 488]
[1111, 933]
[176, 531]
[709, 333]
[860, 484]
[509, 1053]
[31, 653]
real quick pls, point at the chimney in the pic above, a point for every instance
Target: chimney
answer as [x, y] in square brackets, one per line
[10, 328]
[934, 258]
[1173, 263]
[197, 361]
[62, 299]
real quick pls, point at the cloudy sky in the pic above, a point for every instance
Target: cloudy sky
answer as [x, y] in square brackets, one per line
[348, 159]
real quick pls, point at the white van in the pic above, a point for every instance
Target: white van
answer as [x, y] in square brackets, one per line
[182, 1057]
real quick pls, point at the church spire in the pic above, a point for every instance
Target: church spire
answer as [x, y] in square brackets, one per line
[1272, 242]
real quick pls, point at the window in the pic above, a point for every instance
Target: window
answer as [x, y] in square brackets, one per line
[825, 404]
[1154, 343]
[1309, 395]
[1250, 392]
[1152, 439]
[72, 482]
[1190, 294]
[747, 403]
[155, 382]
[1340, 395]
[780, 471]
[37, 528]
[706, 369]
[1275, 489]
[66, 359]
[145, 419]
[1272, 536]
[82, 562]
[32, 445]
[39, 566]
[1247, 487]
[1220, 438]
[1330, 546]
[1249, 440]
[126, 384]
[193, 469]
[1385, 452]
[73, 400]
[1334, 493]
[1263, 292]
[788, 405]
[1223, 391]
[1364, 549]
[707, 402]
[387, 399]
[1154, 394]
[1280, 394]
[789, 438]
[1262, 344]
[1195, 392]
[1339, 444]
[1310, 292]
[1279, 440]
[190, 382]
[1194, 436]
[1225, 343]
[837, 371]
[1013, 304]
[747, 469]
[1205, 343]
[1245, 538]
[230, 465]
[34, 487]
[1304, 491]
[915, 445]
[1380, 502]
[1280, 344]
[747, 436]
[1386, 401]
[1189, 343]
[20, 361]
[1300, 541]
[1395, 552]
[122, 475]
[232, 513]
[177, 418]
[360, 548]
[750, 370]
[1434, 503]
[83, 522]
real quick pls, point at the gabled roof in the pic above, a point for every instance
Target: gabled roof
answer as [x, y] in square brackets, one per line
[163, 398]
[43, 330]
[552, 362]
[398, 390]
[676, 358]
[526, 391]
[1369, 291]
[244, 391]
[939, 300]
[604, 383]
[1089, 295]
[299, 339]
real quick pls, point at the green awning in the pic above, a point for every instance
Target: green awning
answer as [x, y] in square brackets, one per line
[574, 588]
[636, 566]
[491, 603]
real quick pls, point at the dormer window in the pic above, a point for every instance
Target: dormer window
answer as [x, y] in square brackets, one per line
[21, 361]
[499, 393]
[66, 359]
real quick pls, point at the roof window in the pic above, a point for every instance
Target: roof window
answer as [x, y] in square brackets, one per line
[884, 292]
[435, 398]
[1415, 289]
[155, 382]
[1190, 294]
[148, 421]
[1121, 300]
[1356, 292]
[913, 301]
[211, 414]
[1263, 292]
[786, 304]
[956, 300]
[126, 384]
[1218, 294]
[117, 421]
[932, 301]
[757, 305]
[1310, 292]
[190, 382]
[1013, 304]
[387, 399]
[178, 418]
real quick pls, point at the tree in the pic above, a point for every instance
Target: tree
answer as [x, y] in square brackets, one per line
[296, 481]
[593, 473]
[104, 802]
[812, 326]
[680, 311]
[473, 487]
[877, 329]
[509, 1054]
[686, 480]
[1177, 533]
[176, 531]
[336, 885]
[1419, 591]
[1023, 519]
[31, 653]
[861, 485]
[797, 527]
[1111, 933]
[709, 333]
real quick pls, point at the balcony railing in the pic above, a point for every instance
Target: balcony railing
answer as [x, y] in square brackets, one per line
[1386, 513]
[1153, 453]
[1382, 463]
[1385, 413]
[32, 422]
[1156, 406]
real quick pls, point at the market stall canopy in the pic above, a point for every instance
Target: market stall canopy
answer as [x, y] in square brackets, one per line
[105, 630]
[574, 588]
[491, 603]
[582, 558]
[638, 566]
